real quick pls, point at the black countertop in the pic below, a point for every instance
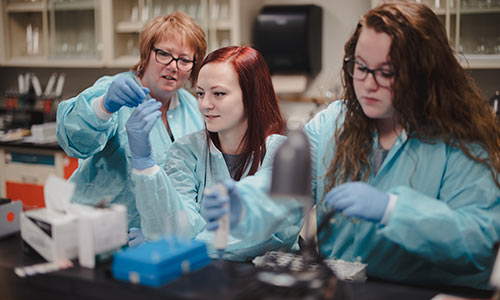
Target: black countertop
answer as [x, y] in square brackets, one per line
[24, 144]
[220, 280]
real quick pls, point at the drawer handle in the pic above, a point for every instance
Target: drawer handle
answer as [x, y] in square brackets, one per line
[29, 179]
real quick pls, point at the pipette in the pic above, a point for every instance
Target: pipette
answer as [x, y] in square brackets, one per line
[43, 268]
[221, 234]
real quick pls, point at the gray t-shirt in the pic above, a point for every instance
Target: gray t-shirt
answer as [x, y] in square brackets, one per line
[232, 163]
[379, 156]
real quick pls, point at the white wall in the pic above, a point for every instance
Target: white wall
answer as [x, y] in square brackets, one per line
[339, 19]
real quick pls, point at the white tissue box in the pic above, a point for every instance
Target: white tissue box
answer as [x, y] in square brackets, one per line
[67, 230]
[100, 230]
[52, 234]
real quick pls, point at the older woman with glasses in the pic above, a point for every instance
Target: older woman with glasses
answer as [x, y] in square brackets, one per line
[409, 160]
[91, 126]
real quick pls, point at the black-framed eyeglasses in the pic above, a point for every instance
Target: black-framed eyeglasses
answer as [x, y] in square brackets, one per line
[163, 57]
[359, 71]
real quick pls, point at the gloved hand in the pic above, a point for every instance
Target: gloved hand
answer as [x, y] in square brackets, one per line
[213, 205]
[135, 237]
[123, 91]
[358, 199]
[138, 126]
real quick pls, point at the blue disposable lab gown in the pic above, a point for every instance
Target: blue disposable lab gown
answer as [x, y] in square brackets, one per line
[169, 201]
[440, 232]
[102, 148]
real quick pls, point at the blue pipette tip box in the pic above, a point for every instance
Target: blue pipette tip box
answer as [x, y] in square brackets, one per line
[159, 262]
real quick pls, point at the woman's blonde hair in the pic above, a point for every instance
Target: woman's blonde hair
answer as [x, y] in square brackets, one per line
[174, 23]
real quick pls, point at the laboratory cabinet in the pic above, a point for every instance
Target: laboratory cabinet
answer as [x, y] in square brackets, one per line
[24, 169]
[473, 28]
[51, 33]
[105, 33]
[225, 22]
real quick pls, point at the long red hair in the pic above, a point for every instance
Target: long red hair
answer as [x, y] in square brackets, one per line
[259, 101]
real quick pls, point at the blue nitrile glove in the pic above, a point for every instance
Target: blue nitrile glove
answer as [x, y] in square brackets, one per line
[135, 237]
[213, 205]
[123, 91]
[138, 126]
[358, 199]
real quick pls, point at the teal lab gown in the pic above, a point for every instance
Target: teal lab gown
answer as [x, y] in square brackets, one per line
[169, 200]
[440, 232]
[104, 164]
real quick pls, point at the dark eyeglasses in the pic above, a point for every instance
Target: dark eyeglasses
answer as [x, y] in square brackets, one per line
[359, 71]
[163, 57]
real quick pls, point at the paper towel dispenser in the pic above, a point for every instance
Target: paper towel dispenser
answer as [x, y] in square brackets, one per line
[290, 38]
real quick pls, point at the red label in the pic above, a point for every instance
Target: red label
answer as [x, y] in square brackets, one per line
[10, 217]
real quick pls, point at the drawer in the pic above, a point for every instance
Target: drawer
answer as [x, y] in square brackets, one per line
[30, 158]
[31, 195]
[27, 173]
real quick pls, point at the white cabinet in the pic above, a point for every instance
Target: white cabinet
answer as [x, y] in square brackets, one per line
[225, 22]
[105, 33]
[74, 30]
[50, 33]
[25, 168]
[473, 27]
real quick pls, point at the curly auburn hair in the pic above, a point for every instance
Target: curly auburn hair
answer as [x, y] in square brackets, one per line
[434, 98]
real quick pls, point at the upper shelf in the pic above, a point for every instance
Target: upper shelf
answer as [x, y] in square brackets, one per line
[44, 62]
[223, 24]
[129, 26]
[25, 7]
[469, 11]
[479, 61]
[75, 5]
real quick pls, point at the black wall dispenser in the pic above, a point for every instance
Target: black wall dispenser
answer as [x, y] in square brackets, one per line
[290, 38]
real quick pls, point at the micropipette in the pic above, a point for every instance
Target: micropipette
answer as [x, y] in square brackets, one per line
[221, 234]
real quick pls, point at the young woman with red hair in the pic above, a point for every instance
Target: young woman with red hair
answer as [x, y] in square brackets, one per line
[243, 122]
